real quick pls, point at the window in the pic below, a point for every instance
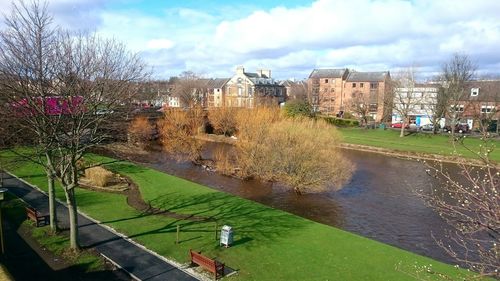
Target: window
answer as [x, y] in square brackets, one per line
[361, 85]
[422, 106]
[354, 85]
[332, 90]
[474, 92]
[458, 107]
[326, 80]
[374, 85]
[218, 90]
[486, 108]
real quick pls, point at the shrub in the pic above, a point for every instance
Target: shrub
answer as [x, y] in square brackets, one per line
[296, 108]
[223, 120]
[140, 131]
[339, 122]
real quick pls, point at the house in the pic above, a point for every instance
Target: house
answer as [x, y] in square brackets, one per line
[480, 102]
[249, 90]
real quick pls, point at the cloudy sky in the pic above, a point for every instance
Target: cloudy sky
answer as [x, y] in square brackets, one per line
[292, 37]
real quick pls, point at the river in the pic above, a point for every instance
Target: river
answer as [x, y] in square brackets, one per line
[379, 202]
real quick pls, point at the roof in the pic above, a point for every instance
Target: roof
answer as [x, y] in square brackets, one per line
[328, 73]
[252, 75]
[216, 83]
[378, 76]
[265, 81]
[489, 91]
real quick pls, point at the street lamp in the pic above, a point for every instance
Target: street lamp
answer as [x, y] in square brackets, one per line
[2, 196]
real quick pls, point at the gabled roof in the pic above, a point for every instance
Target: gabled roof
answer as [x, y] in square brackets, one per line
[328, 73]
[216, 83]
[378, 76]
[252, 75]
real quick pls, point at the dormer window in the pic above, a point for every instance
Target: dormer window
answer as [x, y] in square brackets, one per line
[474, 92]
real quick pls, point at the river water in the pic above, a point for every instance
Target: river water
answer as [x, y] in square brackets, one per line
[380, 201]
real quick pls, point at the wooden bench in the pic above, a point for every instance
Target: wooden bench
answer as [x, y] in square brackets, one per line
[212, 265]
[36, 216]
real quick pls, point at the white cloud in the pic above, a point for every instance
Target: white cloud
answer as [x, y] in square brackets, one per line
[159, 44]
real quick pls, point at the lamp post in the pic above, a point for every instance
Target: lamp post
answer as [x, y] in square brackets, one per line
[2, 196]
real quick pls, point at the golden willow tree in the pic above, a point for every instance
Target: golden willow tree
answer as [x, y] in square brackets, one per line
[56, 83]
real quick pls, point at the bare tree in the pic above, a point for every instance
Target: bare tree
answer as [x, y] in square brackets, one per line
[455, 74]
[28, 69]
[189, 89]
[57, 82]
[297, 91]
[360, 105]
[470, 202]
[405, 97]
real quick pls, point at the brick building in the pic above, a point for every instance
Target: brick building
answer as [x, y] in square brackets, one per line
[330, 91]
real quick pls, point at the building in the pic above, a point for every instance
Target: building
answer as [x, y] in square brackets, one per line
[295, 90]
[331, 91]
[249, 90]
[424, 99]
[325, 90]
[375, 87]
[215, 89]
[480, 103]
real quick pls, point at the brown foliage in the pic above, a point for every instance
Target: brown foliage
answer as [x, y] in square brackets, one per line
[301, 153]
[140, 130]
[178, 131]
[223, 119]
[99, 176]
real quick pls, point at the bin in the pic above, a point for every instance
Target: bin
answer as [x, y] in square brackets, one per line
[226, 236]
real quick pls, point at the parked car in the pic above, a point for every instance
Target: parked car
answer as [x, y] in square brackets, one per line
[459, 128]
[398, 125]
[427, 127]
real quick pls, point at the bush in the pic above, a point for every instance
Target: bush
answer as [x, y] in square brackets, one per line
[296, 108]
[223, 120]
[99, 176]
[339, 122]
[140, 131]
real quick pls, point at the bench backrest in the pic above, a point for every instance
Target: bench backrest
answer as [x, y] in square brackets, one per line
[32, 211]
[202, 260]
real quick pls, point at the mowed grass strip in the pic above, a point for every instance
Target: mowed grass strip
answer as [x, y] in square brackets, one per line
[416, 142]
[269, 244]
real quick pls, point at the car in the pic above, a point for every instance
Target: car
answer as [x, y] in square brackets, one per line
[427, 127]
[398, 125]
[459, 128]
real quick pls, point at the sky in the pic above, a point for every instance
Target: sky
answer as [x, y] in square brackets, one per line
[292, 37]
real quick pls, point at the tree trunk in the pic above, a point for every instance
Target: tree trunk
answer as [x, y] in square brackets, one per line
[52, 202]
[402, 134]
[73, 218]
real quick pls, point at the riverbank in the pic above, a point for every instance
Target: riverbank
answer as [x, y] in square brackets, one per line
[415, 145]
[269, 244]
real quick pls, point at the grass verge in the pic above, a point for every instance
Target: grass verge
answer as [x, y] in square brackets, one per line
[415, 142]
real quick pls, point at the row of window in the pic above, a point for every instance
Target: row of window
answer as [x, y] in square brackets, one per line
[373, 85]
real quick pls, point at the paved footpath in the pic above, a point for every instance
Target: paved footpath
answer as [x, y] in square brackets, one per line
[137, 261]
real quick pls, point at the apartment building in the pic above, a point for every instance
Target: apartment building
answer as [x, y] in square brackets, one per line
[331, 91]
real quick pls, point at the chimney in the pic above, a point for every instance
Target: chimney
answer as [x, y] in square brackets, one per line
[264, 73]
[240, 70]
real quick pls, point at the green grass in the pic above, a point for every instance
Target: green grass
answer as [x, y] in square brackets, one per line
[58, 244]
[269, 244]
[416, 142]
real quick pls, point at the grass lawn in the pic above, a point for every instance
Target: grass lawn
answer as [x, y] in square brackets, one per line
[56, 244]
[269, 244]
[417, 142]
